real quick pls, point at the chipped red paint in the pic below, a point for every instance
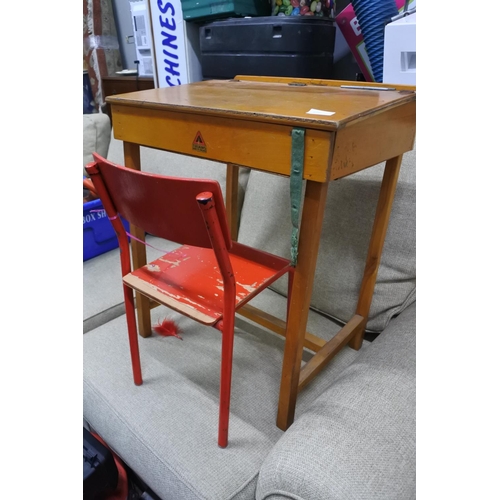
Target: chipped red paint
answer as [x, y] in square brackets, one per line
[191, 276]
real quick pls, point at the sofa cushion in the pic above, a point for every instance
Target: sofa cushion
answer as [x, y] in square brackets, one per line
[166, 429]
[357, 440]
[96, 136]
[350, 210]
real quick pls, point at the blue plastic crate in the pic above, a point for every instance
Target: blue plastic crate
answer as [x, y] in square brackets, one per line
[98, 233]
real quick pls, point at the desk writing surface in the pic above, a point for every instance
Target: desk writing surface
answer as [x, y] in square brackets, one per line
[249, 123]
[270, 102]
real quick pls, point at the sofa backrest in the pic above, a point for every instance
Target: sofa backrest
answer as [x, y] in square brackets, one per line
[265, 222]
[350, 209]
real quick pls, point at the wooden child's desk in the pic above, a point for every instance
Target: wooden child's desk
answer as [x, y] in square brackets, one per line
[248, 122]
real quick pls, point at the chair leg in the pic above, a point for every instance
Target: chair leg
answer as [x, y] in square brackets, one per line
[132, 334]
[225, 379]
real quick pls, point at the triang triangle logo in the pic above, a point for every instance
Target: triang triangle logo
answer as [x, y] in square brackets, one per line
[199, 143]
[199, 139]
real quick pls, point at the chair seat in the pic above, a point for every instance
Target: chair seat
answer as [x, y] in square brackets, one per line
[188, 280]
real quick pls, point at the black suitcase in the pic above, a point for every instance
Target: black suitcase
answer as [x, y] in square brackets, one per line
[100, 474]
[289, 46]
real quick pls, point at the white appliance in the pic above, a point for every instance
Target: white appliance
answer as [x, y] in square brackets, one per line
[400, 51]
[142, 36]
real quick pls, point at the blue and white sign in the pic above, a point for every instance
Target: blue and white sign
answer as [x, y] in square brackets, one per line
[170, 48]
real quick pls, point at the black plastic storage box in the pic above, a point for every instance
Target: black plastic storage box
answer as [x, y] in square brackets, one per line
[293, 46]
[100, 474]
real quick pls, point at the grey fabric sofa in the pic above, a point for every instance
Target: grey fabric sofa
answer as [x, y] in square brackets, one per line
[354, 430]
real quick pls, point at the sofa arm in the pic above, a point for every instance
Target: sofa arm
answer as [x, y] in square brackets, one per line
[357, 440]
[96, 136]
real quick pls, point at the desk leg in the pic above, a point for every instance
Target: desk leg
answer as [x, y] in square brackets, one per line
[132, 158]
[310, 232]
[382, 215]
[232, 173]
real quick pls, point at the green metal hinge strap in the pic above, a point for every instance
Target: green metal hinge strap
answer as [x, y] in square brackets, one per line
[296, 182]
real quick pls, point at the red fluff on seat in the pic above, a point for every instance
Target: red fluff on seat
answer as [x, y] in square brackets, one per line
[167, 328]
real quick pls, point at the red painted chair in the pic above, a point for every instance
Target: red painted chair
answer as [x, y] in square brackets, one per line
[207, 279]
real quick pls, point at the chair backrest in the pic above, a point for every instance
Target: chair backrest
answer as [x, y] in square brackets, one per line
[160, 205]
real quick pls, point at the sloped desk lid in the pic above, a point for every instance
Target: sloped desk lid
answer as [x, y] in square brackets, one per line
[317, 106]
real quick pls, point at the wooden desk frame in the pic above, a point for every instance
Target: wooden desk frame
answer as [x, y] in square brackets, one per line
[331, 152]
